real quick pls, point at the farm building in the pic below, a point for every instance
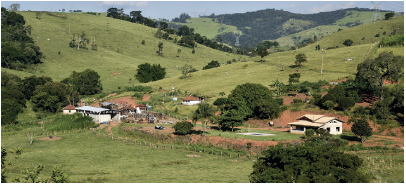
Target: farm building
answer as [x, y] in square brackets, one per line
[331, 124]
[70, 109]
[99, 115]
[190, 100]
[109, 105]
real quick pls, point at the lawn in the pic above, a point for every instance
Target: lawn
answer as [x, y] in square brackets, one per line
[86, 157]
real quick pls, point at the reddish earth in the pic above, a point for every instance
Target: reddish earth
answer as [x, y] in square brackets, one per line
[111, 125]
[398, 141]
[387, 82]
[146, 97]
[112, 74]
[289, 99]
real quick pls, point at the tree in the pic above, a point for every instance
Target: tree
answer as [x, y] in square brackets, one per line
[385, 66]
[348, 42]
[63, 10]
[328, 97]
[80, 40]
[112, 12]
[329, 104]
[294, 78]
[263, 52]
[307, 164]
[346, 103]
[318, 47]
[186, 69]
[9, 111]
[267, 109]
[163, 25]
[212, 64]
[15, 95]
[147, 72]
[338, 91]
[278, 85]
[389, 15]
[28, 84]
[361, 128]
[50, 97]
[183, 127]
[158, 33]
[300, 58]
[14, 7]
[231, 118]
[160, 47]
[204, 112]
[38, 15]
[222, 93]
[86, 82]
[178, 53]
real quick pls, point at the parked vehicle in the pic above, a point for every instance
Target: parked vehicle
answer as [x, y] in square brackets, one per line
[159, 127]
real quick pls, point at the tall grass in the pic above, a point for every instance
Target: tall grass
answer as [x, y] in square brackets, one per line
[393, 40]
[69, 122]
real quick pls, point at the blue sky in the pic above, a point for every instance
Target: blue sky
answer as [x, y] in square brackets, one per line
[172, 9]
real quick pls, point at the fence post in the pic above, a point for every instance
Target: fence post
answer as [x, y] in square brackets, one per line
[221, 153]
[149, 144]
[172, 147]
[212, 152]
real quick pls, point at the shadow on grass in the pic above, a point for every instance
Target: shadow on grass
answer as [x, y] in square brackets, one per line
[350, 138]
[198, 132]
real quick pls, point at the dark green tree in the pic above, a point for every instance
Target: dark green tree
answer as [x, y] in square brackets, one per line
[9, 111]
[183, 127]
[220, 101]
[263, 52]
[338, 91]
[28, 84]
[267, 109]
[231, 118]
[212, 64]
[346, 103]
[160, 47]
[50, 97]
[300, 58]
[86, 82]
[144, 72]
[15, 95]
[385, 66]
[327, 97]
[329, 104]
[348, 42]
[389, 15]
[361, 128]
[294, 78]
[307, 164]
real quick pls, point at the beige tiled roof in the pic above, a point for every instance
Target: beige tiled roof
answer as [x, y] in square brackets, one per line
[312, 117]
[306, 123]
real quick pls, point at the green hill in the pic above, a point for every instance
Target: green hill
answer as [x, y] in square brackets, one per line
[119, 49]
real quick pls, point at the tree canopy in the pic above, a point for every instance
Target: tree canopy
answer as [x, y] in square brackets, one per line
[307, 164]
[361, 128]
[86, 82]
[300, 58]
[183, 127]
[147, 72]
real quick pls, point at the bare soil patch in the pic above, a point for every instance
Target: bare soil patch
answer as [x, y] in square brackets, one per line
[233, 160]
[289, 99]
[146, 97]
[112, 74]
[111, 125]
[54, 138]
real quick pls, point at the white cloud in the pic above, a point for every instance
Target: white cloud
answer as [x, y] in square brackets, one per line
[137, 4]
[331, 7]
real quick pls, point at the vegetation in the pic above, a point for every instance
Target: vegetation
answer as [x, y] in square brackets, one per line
[147, 72]
[348, 42]
[361, 128]
[183, 127]
[86, 82]
[300, 58]
[305, 164]
[212, 64]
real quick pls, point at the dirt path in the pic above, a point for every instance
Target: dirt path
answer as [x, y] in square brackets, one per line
[111, 125]
[146, 97]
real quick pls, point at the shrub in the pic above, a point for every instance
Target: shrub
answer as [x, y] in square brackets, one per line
[327, 97]
[137, 95]
[377, 35]
[220, 101]
[279, 100]
[143, 42]
[346, 103]
[329, 104]
[297, 100]
[183, 127]
[309, 133]
[348, 42]
[360, 111]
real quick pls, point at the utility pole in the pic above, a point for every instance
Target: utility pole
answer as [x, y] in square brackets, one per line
[322, 61]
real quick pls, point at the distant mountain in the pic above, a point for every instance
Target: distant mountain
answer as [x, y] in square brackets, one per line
[271, 24]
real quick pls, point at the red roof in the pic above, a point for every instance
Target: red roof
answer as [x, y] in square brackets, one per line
[69, 107]
[191, 98]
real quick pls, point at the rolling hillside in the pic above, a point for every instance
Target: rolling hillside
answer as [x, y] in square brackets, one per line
[119, 49]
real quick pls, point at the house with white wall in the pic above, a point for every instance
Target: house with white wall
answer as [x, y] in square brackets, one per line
[99, 115]
[190, 100]
[308, 121]
[70, 109]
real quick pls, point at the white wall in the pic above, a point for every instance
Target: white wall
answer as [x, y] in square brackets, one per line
[333, 124]
[190, 102]
[67, 111]
[103, 117]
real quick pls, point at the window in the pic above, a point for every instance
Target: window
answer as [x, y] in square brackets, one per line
[69, 111]
[328, 129]
[338, 129]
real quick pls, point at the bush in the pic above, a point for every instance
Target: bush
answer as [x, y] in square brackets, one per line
[309, 133]
[377, 35]
[348, 42]
[329, 104]
[346, 103]
[360, 111]
[143, 42]
[297, 100]
[220, 101]
[327, 97]
[183, 127]
[137, 95]
[279, 100]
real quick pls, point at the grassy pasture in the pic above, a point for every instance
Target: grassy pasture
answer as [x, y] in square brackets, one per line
[89, 158]
[279, 136]
[119, 49]
[208, 27]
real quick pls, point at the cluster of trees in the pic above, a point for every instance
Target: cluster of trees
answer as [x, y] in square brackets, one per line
[147, 72]
[18, 49]
[182, 18]
[86, 82]
[135, 16]
[212, 64]
[267, 44]
[246, 101]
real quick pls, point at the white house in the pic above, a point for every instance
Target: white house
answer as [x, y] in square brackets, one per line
[190, 100]
[99, 115]
[70, 109]
[333, 125]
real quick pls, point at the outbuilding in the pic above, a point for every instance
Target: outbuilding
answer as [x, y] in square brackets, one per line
[99, 115]
[331, 124]
[190, 100]
[70, 109]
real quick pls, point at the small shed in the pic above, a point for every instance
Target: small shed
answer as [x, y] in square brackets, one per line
[190, 100]
[70, 109]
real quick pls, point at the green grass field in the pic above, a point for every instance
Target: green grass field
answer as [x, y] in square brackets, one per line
[208, 27]
[85, 157]
[278, 136]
